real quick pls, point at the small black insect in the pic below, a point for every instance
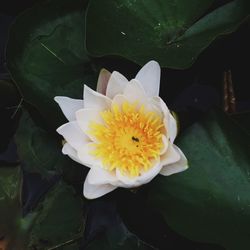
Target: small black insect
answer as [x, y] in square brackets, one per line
[135, 139]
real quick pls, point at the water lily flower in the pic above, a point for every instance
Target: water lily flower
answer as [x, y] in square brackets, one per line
[123, 132]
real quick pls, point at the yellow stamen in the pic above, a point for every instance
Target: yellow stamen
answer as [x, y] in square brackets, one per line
[130, 138]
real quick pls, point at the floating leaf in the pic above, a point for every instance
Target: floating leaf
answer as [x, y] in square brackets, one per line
[59, 219]
[210, 201]
[164, 30]
[46, 55]
[41, 152]
[10, 189]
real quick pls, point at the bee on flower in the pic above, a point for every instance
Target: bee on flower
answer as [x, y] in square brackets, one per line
[123, 132]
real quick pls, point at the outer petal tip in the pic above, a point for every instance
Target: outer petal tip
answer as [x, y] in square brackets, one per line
[69, 106]
[116, 84]
[179, 166]
[96, 191]
[149, 76]
[102, 82]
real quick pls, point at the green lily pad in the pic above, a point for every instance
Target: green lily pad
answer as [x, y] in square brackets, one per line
[210, 201]
[10, 189]
[9, 107]
[41, 152]
[168, 31]
[46, 55]
[58, 219]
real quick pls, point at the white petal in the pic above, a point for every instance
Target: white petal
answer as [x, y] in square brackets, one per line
[171, 156]
[119, 100]
[116, 84]
[68, 150]
[169, 122]
[73, 134]
[93, 99]
[135, 92]
[102, 82]
[177, 167]
[95, 191]
[172, 128]
[85, 156]
[149, 76]
[100, 176]
[165, 145]
[155, 106]
[69, 106]
[145, 177]
[84, 117]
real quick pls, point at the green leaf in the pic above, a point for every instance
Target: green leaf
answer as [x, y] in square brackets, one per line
[10, 189]
[164, 30]
[59, 219]
[46, 55]
[210, 201]
[9, 105]
[41, 152]
[73, 246]
[118, 238]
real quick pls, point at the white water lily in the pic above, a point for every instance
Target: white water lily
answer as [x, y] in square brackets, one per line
[124, 132]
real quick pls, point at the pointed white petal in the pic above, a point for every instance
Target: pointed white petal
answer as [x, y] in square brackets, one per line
[93, 99]
[135, 92]
[177, 167]
[171, 155]
[95, 191]
[84, 117]
[149, 76]
[73, 134]
[85, 156]
[100, 176]
[102, 82]
[69, 106]
[116, 84]
[145, 177]
[68, 150]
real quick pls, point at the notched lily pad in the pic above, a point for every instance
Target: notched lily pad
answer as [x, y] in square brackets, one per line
[165, 30]
[46, 56]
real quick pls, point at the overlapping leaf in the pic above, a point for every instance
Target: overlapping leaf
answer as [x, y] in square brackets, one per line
[210, 201]
[41, 152]
[164, 30]
[46, 55]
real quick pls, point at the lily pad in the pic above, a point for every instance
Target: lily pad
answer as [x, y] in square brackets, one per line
[10, 189]
[41, 152]
[39, 229]
[46, 55]
[58, 219]
[168, 31]
[10, 102]
[210, 201]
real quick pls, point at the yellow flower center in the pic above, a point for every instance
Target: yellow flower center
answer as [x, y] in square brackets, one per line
[129, 139]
